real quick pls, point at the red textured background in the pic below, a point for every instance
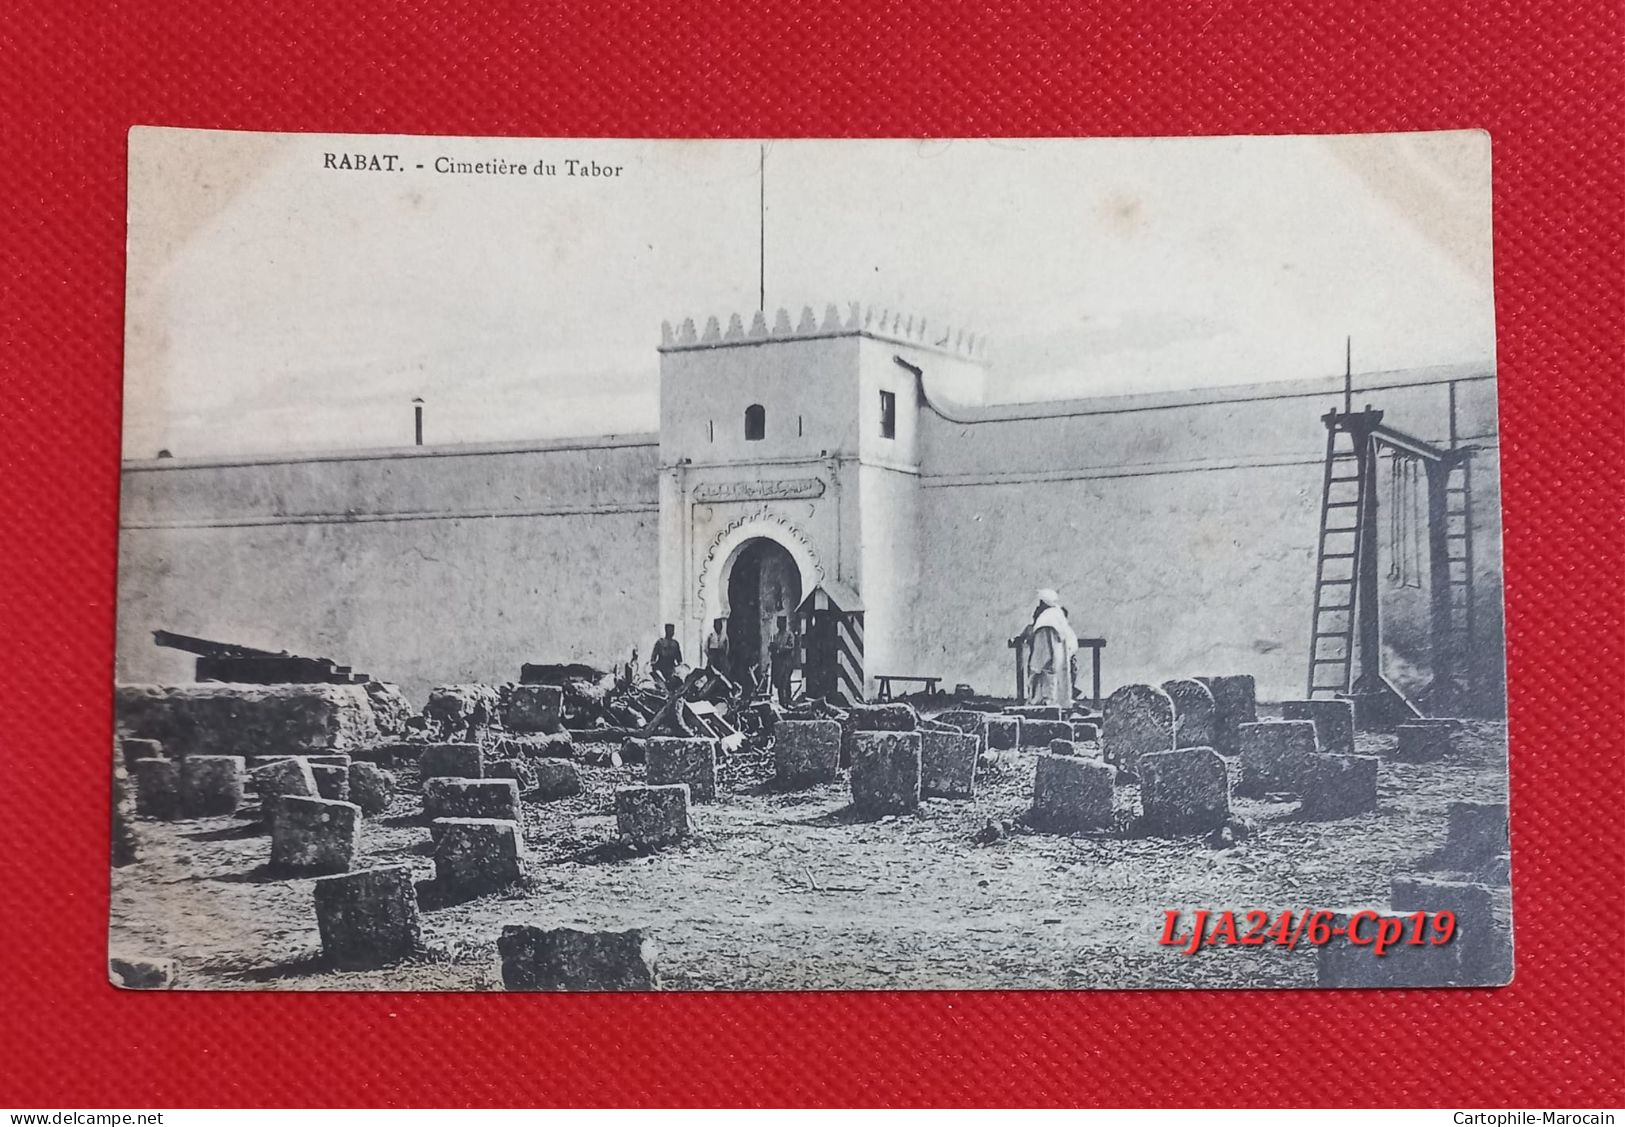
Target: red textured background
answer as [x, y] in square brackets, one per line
[1544, 79]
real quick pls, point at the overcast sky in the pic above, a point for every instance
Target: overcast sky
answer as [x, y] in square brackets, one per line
[277, 305]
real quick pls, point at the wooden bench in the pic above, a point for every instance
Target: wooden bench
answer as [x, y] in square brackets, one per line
[885, 684]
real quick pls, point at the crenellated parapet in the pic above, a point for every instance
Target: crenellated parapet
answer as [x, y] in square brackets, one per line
[859, 320]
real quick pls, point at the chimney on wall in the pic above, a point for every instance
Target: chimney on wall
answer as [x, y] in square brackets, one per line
[417, 421]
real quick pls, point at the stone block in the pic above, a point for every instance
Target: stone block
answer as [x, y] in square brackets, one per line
[691, 761]
[390, 708]
[1085, 732]
[535, 745]
[332, 781]
[450, 761]
[892, 716]
[474, 856]
[281, 778]
[248, 720]
[314, 835]
[1235, 702]
[1498, 870]
[555, 778]
[126, 843]
[496, 799]
[1063, 747]
[1343, 964]
[211, 785]
[1003, 733]
[1184, 791]
[371, 787]
[519, 770]
[1277, 756]
[652, 815]
[1483, 927]
[966, 720]
[1424, 743]
[327, 760]
[1333, 721]
[1072, 793]
[567, 958]
[948, 764]
[1195, 716]
[140, 972]
[1034, 711]
[392, 753]
[885, 772]
[806, 752]
[1039, 733]
[1340, 786]
[1138, 720]
[533, 708]
[462, 708]
[368, 918]
[140, 749]
[1478, 833]
[157, 789]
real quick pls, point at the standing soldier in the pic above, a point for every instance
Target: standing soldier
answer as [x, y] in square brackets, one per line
[716, 647]
[664, 659]
[782, 651]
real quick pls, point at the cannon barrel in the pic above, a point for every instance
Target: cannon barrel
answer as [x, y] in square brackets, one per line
[204, 647]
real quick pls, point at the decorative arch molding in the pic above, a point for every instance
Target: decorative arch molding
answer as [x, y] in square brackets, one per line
[762, 524]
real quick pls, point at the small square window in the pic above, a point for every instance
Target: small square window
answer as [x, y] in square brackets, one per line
[888, 415]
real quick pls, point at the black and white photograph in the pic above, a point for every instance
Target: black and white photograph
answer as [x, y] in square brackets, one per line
[726, 565]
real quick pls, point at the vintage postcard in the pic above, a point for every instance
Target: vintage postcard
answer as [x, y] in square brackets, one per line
[809, 565]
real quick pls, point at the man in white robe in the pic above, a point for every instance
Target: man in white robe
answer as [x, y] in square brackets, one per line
[1051, 646]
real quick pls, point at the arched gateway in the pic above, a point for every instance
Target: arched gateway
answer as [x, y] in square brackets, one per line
[763, 584]
[789, 480]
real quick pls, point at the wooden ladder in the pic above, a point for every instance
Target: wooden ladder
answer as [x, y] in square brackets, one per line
[1343, 501]
[1458, 537]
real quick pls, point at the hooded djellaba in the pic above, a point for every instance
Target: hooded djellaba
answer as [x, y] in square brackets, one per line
[1049, 656]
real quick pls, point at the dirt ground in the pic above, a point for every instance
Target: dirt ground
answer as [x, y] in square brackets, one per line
[789, 891]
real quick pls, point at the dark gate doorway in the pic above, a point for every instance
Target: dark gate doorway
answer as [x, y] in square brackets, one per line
[763, 584]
